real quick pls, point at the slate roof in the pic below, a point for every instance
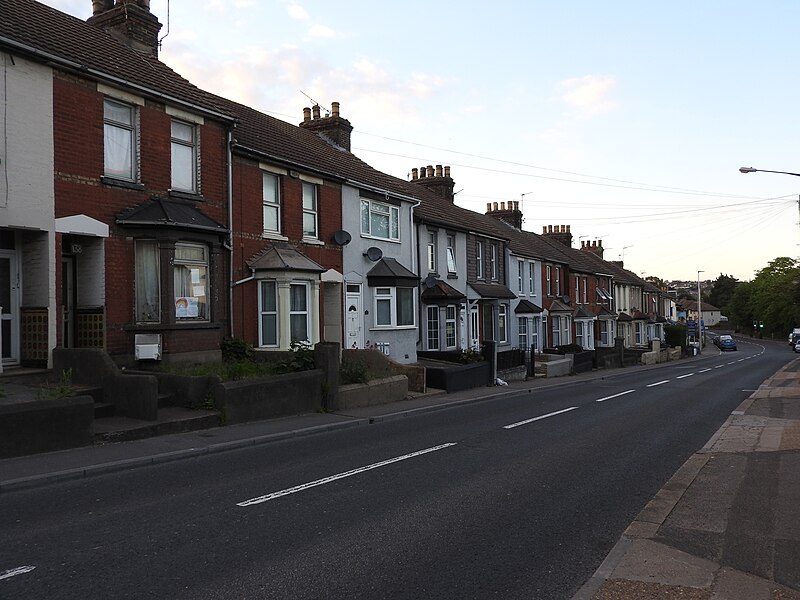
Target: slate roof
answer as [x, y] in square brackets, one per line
[31, 28]
[388, 271]
[492, 290]
[526, 306]
[163, 212]
[282, 257]
[441, 291]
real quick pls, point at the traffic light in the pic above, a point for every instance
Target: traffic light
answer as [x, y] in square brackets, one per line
[761, 324]
[755, 324]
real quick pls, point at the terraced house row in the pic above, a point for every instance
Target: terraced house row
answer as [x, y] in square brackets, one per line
[150, 218]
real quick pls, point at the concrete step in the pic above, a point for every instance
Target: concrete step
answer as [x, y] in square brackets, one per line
[171, 419]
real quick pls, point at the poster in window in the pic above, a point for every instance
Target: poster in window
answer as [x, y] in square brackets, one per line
[186, 307]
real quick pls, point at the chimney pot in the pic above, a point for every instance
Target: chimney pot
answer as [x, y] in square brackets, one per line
[599, 243]
[334, 109]
[429, 168]
[502, 205]
[414, 173]
[306, 114]
[495, 205]
[549, 229]
[488, 207]
[447, 171]
[567, 228]
[438, 170]
[315, 111]
[544, 229]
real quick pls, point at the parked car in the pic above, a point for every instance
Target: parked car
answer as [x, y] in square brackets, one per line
[797, 347]
[725, 342]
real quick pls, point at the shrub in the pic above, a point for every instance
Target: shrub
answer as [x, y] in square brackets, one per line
[236, 349]
[299, 358]
[570, 348]
[353, 372]
[675, 335]
[469, 355]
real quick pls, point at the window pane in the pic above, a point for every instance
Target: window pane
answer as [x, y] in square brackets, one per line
[383, 312]
[309, 196]
[148, 291]
[118, 151]
[271, 218]
[433, 328]
[269, 330]
[298, 328]
[119, 113]
[297, 297]
[310, 224]
[183, 132]
[182, 167]
[186, 252]
[269, 302]
[379, 223]
[365, 217]
[405, 306]
[395, 224]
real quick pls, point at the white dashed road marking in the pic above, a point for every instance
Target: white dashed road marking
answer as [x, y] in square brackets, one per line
[658, 383]
[526, 421]
[614, 396]
[14, 572]
[684, 376]
[305, 486]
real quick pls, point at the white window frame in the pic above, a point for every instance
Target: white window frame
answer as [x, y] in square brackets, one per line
[493, 261]
[579, 333]
[271, 203]
[479, 266]
[639, 332]
[450, 324]
[180, 170]
[577, 289]
[566, 334]
[558, 281]
[521, 277]
[433, 327]
[535, 332]
[131, 129]
[304, 312]
[522, 332]
[586, 290]
[502, 323]
[390, 294]
[549, 273]
[147, 281]
[451, 253]
[531, 278]
[267, 313]
[432, 251]
[206, 286]
[555, 325]
[379, 210]
[310, 210]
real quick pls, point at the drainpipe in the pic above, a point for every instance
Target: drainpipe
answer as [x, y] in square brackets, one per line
[229, 243]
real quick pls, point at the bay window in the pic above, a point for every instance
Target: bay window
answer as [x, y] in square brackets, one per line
[433, 328]
[450, 326]
[147, 282]
[190, 273]
[394, 307]
[268, 313]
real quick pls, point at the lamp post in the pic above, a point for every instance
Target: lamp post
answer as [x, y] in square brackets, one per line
[752, 170]
[699, 315]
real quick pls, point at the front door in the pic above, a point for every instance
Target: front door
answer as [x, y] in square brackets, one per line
[474, 328]
[355, 319]
[9, 306]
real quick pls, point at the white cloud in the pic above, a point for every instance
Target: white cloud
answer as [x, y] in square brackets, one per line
[297, 12]
[321, 31]
[588, 95]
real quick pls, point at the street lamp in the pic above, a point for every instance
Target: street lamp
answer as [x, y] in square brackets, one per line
[699, 315]
[752, 170]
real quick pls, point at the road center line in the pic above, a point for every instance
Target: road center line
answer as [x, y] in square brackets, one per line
[552, 414]
[733, 362]
[614, 396]
[719, 366]
[14, 572]
[704, 370]
[324, 480]
[658, 383]
[684, 376]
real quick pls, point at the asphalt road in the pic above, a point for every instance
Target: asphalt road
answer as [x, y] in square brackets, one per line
[519, 497]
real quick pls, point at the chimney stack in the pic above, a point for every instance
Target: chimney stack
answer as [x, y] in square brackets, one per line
[437, 180]
[596, 247]
[129, 21]
[333, 128]
[510, 214]
[559, 233]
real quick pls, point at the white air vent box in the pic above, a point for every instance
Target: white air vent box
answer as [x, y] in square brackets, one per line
[148, 346]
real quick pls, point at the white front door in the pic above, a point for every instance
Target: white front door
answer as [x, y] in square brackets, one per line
[474, 328]
[9, 303]
[354, 316]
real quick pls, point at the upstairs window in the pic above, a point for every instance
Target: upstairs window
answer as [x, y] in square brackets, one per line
[520, 277]
[558, 281]
[431, 251]
[183, 142]
[531, 288]
[493, 261]
[272, 203]
[380, 220]
[451, 253]
[309, 210]
[479, 260]
[549, 280]
[119, 140]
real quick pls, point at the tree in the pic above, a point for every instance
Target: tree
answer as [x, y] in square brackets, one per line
[722, 291]
[773, 296]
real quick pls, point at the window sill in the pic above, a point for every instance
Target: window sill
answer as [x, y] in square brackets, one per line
[367, 236]
[452, 275]
[313, 241]
[184, 195]
[121, 183]
[171, 326]
[393, 328]
[271, 235]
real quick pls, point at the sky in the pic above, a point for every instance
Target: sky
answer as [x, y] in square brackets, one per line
[626, 120]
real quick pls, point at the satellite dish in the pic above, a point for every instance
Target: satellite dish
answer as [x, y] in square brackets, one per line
[342, 237]
[373, 253]
[430, 281]
[565, 299]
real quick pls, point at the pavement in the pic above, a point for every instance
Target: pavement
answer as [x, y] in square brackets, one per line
[726, 526]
